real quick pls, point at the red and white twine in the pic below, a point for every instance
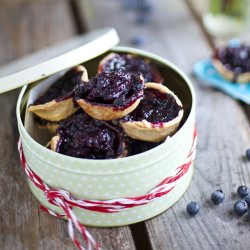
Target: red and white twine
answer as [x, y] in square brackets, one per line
[66, 201]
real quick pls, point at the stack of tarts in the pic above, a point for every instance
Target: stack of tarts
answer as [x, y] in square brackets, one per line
[122, 111]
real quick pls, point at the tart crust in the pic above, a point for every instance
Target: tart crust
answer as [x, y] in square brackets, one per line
[58, 110]
[147, 131]
[106, 113]
[54, 111]
[54, 141]
[230, 75]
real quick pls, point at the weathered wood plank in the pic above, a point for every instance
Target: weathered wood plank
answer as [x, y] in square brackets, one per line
[26, 27]
[22, 30]
[223, 131]
[15, 3]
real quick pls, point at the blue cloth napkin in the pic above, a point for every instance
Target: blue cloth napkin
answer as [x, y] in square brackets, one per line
[205, 71]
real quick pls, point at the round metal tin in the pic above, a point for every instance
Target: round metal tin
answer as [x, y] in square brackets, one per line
[126, 177]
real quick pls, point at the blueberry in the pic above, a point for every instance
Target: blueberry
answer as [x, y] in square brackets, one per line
[138, 40]
[248, 150]
[193, 208]
[247, 199]
[242, 191]
[217, 197]
[240, 207]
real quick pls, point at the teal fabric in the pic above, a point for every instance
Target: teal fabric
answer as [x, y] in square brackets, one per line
[205, 71]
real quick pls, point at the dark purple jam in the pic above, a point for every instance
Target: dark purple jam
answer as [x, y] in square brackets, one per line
[155, 107]
[83, 137]
[63, 88]
[236, 59]
[134, 65]
[118, 89]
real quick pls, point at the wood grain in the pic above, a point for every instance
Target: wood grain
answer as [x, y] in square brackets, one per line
[29, 27]
[223, 131]
[26, 26]
[23, 30]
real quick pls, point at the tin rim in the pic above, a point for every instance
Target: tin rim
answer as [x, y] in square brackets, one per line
[130, 158]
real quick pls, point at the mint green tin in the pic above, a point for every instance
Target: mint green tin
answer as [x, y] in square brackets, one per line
[126, 177]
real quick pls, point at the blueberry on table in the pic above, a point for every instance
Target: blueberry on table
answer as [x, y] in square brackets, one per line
[217, 197]
[247, 199]
[248, 153]
[138, 40]
[240, 207]
[243, 191]
[193, 208]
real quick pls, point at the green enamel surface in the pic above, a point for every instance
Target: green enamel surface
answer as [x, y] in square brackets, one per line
[127, 216]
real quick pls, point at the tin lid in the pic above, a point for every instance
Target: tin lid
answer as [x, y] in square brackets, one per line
[49, 61]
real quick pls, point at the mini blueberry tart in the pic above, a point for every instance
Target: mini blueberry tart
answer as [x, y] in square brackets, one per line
[82, 136]
[132, 64]
[110, 94]
[57, 102]
[233, 63]
[157, 116]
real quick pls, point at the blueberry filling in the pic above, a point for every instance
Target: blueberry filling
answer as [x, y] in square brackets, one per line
[134, 65]
[118, 89]
[155, 107]
[83, 137]
[62, 89]
[235, 59]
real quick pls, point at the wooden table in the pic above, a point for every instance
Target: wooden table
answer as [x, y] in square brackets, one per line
[176, 34]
